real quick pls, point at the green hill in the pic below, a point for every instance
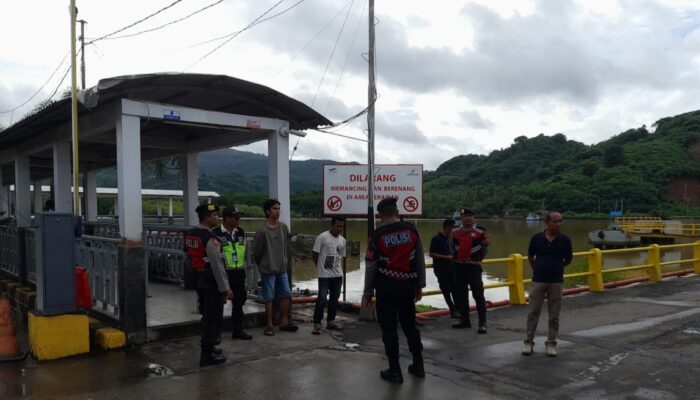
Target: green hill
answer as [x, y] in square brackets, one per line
[641, 169]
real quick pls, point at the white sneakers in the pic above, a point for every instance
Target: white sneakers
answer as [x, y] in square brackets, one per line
[551, 349]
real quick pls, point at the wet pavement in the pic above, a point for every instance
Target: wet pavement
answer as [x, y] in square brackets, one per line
[639, 342]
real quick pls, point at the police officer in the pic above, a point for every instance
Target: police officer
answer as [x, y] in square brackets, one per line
[469, 243]
[395, 268]
[233, 248]
[204, 251]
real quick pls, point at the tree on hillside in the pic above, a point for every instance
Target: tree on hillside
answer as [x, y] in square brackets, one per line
[520, 139]
[612, 156]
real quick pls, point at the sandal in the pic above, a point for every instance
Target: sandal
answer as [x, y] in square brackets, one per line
[289, 328]
[269, 332]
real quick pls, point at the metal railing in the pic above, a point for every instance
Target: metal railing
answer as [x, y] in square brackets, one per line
[595, 274]
[10, 257]
[99, 256]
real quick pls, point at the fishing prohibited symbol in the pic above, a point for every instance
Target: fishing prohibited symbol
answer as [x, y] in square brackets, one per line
[410, 204]
[334, 203]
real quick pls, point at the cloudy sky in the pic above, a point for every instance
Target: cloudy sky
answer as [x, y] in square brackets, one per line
[454, 76]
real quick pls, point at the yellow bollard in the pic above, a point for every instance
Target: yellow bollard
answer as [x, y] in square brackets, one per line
[654, 259]
[515, 275]
[595, 267]
[696, 256]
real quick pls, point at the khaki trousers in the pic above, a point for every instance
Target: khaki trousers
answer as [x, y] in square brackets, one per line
[553, 293]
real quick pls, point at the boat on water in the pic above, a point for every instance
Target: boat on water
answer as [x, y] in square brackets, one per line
[612, 238]
[532, 217]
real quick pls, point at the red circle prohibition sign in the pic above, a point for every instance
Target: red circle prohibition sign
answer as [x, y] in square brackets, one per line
[334, 203]
[410, 204]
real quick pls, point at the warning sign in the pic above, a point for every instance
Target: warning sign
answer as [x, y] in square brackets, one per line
[345, 188]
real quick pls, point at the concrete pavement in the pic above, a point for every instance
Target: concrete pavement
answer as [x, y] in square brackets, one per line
[639, 342]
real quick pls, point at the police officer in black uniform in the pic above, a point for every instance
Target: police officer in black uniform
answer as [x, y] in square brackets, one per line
[204, 257]
[395, 268]
[232, 239]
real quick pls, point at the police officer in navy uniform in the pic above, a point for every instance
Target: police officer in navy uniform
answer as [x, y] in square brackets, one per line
[395, 268]
[204, 256]
[469, 243]
[232, 239]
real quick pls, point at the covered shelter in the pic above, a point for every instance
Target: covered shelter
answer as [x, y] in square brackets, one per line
[124, 121]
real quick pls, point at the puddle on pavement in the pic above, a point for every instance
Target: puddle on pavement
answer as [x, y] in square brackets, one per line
[628, 327]
[75, 375]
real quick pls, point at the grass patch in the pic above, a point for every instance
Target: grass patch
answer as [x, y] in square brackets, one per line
[423, 308]
[581, 265]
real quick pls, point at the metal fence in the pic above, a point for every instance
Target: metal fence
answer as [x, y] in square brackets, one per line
[10, 257]
[99, 256]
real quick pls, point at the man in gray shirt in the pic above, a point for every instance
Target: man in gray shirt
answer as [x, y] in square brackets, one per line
[271, 251]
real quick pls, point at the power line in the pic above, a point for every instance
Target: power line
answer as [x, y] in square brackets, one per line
[40, 88]
[233, 35]
[335, 45]
[166, 24]
[135, 23]
[347, 57]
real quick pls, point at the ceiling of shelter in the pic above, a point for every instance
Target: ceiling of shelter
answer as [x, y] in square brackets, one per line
[159, 139]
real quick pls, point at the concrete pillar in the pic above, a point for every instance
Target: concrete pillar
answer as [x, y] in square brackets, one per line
[115, 205]
[170, 207]
[23, 205]
[129, 177]
[38, 198]
[132, 291]
[278, 164]
[190, 188]
[90, 193]
[62, 174]
[159, 210]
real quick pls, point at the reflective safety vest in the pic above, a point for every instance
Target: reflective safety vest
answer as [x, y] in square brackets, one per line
[234, 254]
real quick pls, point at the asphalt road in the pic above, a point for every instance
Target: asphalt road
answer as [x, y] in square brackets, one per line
[638, 342]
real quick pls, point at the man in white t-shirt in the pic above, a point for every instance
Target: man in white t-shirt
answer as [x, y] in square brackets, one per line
[328, 252]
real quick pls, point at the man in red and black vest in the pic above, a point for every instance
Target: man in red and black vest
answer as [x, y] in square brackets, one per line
[395, 268]
[469, 243]
[204, 257]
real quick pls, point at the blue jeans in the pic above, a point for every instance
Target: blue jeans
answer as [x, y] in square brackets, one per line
[275, 287]
[324, 285]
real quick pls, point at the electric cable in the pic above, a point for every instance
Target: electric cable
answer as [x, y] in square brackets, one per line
[233, 35]
[166, 24]
[40, 88]
[135, 23]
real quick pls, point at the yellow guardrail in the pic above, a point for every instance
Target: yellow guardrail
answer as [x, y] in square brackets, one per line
[595, 273]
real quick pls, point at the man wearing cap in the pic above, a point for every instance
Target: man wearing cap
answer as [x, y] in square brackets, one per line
[395, 268]
[204, 257]
[469, 243]
[442, 263]
[233, 248]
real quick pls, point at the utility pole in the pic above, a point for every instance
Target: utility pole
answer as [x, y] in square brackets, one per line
[82, 53]
[74, 110]
[371, 97]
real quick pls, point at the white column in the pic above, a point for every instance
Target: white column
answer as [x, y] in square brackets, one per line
[129, 177]
[90, 193]
[62, 176]
[170, 207]
[115, 205]
[278, 164]
[23, 198]
[159, 209]
[38, 198]
[190, 189]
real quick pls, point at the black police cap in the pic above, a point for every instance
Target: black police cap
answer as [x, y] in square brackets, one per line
[231, 211]
[206, 208]
[466, 211]
[386, 203]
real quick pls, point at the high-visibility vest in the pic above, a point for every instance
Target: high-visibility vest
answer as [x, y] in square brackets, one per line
[234, 254]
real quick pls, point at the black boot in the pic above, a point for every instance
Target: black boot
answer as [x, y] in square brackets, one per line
[211, 358]
[217, 351]
[392, 375]
[462, 325]
[240, 334]
[416, 369]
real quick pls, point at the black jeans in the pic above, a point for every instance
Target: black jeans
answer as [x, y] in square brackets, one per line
[211, 306]
[444, 277]
[236, 280]
[469, 275]
[395, 301]
[324, 286]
